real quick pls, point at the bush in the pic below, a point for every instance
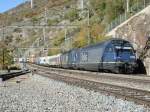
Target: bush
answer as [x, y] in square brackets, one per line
[81, 39]
[14, 67]
[34, 20]
[52, 21]
[72, 15]
[53, 51]
[8, 59]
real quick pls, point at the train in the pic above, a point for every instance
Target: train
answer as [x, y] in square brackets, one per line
[112, 55]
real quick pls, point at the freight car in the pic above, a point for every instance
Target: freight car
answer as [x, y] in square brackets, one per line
[53, 61]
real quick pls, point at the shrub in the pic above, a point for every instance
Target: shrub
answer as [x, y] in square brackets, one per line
[52, 21]
[71, 15]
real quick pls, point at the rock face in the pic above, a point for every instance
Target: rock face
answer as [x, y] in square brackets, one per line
[136, 30]
[147, 63]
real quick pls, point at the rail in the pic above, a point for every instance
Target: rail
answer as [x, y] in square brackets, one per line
[131, 94]
[7, 76]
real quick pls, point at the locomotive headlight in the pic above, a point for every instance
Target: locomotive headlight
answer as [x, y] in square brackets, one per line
[132, 57]
[118, 59]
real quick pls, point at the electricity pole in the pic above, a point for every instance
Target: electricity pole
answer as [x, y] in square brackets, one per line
[3, 51]
[89, 34]
[65, 39]
[44, 29]
[32, 4]
[45, 13]
[127, 3]
[144, 3]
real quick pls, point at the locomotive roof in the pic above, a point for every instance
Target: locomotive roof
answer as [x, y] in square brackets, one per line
[104, 43]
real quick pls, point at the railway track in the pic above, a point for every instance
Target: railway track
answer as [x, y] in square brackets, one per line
[7, 76]
[138, 96]
[140, 82]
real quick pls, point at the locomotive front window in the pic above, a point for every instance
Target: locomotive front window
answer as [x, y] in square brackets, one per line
[125, 50]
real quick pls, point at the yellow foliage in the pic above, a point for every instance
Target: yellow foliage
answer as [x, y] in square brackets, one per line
[81, 39]
[53, 51]
[96, 35]
[96, 30]
[58, 39]
[5, 55]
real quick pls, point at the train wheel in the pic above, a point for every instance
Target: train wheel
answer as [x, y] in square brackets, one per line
[128, 69]
[118, 70]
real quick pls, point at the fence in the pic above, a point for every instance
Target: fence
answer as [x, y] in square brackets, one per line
[140, 5]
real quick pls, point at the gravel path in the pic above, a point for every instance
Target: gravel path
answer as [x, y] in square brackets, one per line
[40, 94]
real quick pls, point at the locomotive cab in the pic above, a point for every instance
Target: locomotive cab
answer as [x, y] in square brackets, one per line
[119, 57]
[125, 57]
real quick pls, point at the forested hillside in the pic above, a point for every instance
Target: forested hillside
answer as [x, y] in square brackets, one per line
[90, 16]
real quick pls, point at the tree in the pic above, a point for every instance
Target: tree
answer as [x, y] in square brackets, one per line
[6, 58]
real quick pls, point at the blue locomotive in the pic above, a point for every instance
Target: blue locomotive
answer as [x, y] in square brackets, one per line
[113, 55]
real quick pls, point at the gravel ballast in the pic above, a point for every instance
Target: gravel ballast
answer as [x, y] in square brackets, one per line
[40, 94]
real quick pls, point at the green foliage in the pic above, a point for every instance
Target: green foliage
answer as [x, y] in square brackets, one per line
[18, 39]
[8, 39]
[17, 30]
[28, 42]
[52, 21]
[101, 14]
[56, 42]
[6, 58]
[72, 15]
[58, 39]
[34, 20]
[81, 39]
[108, 9]
[96, 32]
[53, 51]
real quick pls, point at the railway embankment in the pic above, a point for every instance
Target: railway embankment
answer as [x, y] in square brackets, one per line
[37, 94]
[128, 87]
[135, 81]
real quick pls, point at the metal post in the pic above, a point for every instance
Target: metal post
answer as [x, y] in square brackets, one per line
[44, 29]
[89, 40]
[82, 4]
[144, 4]
[127, 1]
[44, 35]
[3, 51]
[3, 65]
[65, 38]
[32, 4]
[45, 16]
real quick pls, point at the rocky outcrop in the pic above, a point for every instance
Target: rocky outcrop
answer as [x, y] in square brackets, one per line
[136, 31]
